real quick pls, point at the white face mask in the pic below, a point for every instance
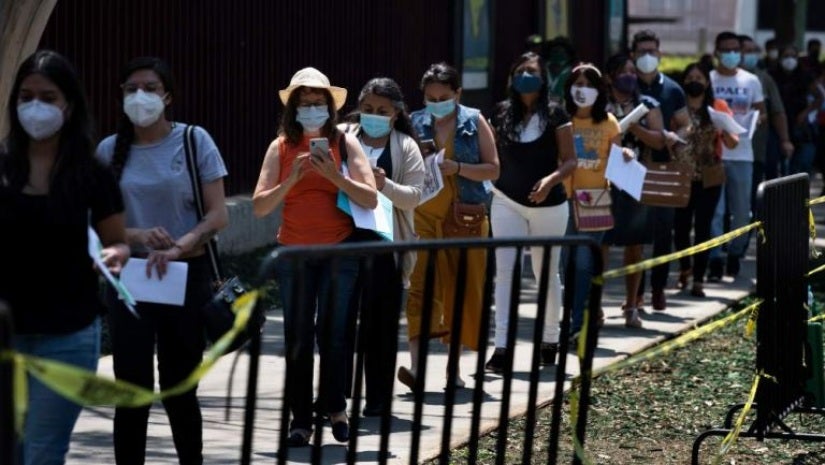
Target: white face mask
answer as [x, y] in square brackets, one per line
[647, 63]
[142, 108]
[40, 120]
[789, 63]
[584, 96]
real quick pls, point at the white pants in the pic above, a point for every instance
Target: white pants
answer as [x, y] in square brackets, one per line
[511, 219]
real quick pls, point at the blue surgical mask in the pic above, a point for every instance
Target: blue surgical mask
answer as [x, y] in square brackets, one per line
[730, 60]
[375, 125]
[441, 109]
[526, 83]
[312, 118]
[750, 60]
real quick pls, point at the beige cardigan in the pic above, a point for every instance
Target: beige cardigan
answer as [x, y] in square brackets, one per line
[404, 189]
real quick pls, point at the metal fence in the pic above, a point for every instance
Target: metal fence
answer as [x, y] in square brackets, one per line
[297, 258]
[783, 353]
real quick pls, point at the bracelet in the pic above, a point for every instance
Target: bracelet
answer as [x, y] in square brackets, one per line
[459, 168]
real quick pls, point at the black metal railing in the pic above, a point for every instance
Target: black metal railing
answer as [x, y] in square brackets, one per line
[297, 257]
[783, 261]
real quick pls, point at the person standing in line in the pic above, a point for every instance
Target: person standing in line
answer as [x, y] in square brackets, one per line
[632, 226]
[742, 91]
[801, 97]
[671, 98]
[470, 162]
[383, 127]
[148, 158]
[307, 183]
[770, 143]
[52, 190]
[703, 152]
[535, 147]
[595, 131]
[560, 58]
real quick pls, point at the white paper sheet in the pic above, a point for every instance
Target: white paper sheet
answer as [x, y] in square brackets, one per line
[634, 116]
[433, 181]
[628, 176]
[170, 290]
[752, 122]
[725, 122]
[95, 247]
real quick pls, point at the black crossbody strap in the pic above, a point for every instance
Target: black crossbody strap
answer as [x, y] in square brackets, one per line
[190, 148]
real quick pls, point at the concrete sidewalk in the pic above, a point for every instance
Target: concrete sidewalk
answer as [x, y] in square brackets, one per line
[92, 441]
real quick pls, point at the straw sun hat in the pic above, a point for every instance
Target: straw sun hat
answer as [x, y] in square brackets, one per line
[311, 77]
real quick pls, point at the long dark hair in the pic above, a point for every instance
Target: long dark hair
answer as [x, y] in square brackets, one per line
[511, 111]
[292, 130]
[125, 129]
[707, 98]
[594, 77]
[389, 89]
[76, 143]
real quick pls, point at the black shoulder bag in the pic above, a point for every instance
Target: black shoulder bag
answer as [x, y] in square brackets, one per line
[218, 317]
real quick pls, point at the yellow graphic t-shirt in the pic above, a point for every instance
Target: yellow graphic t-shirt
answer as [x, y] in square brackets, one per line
[592, 143]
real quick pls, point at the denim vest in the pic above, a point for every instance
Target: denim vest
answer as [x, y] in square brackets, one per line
[465, 146]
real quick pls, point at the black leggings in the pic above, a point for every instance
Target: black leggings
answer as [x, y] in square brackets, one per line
[178, 332]
[696, 216]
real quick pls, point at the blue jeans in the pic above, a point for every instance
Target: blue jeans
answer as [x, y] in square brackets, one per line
[51, 417]
[583, 274]
[302, 328]
[736, 200]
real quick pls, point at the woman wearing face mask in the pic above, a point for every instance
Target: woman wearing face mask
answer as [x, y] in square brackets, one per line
[148, 158]
[801, 97]
[703, 152]
[594, 131]
[307, 184]
[535, 146]
[470, 159]
[383, 127]
[632, 224]
[51, 191]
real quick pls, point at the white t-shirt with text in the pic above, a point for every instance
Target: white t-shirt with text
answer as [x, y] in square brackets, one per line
[741, 91]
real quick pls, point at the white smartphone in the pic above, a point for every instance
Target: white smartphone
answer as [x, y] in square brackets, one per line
[319, 147]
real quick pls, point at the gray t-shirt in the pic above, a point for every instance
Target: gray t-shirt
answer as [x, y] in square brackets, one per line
[155, 182]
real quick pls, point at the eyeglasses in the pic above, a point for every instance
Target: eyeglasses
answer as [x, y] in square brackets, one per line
[148, 87]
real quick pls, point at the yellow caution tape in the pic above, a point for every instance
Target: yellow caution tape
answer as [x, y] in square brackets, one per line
[750, 327]
[815, 271]
[817, 318]
[574, 415]
[733, 436]
[86, 388]
[680, 341]
[653, 262]
[816, 201]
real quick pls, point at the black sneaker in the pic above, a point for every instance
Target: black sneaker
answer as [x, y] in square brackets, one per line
[732, 266]
[715, 270]
[496, 362]
[548, 353]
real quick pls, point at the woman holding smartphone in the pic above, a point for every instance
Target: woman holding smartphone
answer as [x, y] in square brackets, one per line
[470, 163]
[307, 184]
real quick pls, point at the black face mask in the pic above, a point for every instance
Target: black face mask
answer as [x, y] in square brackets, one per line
[694, 89]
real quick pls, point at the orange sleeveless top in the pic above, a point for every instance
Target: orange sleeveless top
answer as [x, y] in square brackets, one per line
[311, 214]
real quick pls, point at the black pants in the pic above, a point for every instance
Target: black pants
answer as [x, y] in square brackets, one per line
[378, 306]
[662, 218]
[178, 332]
[696, 216]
